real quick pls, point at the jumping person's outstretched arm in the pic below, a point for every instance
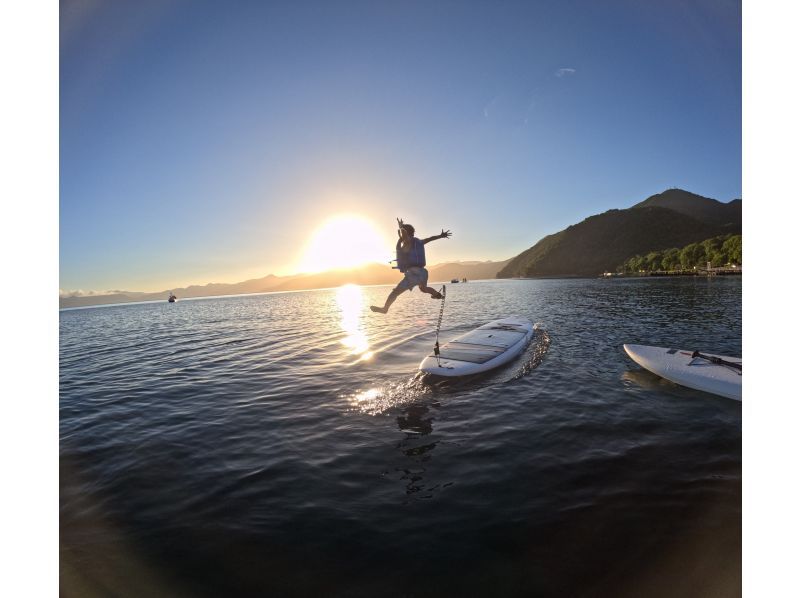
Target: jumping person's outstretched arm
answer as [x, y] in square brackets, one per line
[403, 240]
[445, 234]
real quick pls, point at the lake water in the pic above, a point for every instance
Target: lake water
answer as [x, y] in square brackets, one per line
[283, 444]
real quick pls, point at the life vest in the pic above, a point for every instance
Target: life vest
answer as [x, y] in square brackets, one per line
[414, 257]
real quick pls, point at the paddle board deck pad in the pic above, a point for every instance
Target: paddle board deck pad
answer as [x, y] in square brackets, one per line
[680, 367]
[481, 350]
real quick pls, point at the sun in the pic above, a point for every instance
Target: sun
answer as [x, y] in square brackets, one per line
[345, 241]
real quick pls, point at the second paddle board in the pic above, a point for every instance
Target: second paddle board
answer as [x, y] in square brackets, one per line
[700, 373]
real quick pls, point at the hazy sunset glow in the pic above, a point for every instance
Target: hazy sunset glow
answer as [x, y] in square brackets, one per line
[345, 241]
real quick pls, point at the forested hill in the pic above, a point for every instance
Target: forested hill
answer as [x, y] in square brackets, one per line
[698, 207]
[602, 242]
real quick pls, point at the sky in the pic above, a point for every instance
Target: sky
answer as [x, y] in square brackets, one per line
[210, 141]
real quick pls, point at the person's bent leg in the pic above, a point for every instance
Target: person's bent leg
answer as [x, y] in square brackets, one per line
[389, 300]
[432, 292]
[423, 285]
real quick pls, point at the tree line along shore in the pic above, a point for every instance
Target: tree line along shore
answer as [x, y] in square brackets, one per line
[717, 252]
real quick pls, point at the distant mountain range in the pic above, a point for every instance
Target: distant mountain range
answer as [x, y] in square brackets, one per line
[369, 274]
[603, 242]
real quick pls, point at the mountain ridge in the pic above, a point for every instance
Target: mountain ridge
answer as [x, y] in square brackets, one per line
[602, 242]
[695, 206]
[370, 274]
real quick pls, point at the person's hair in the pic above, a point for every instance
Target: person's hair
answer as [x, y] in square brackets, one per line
[409, 229]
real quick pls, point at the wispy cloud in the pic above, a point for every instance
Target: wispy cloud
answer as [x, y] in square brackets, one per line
[487, 109]
[528, 112]
[566, 72]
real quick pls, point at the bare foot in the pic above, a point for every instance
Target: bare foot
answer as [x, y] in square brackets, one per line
[380, 310]
[437, 295]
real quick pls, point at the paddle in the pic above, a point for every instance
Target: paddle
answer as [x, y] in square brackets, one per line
[717, 360]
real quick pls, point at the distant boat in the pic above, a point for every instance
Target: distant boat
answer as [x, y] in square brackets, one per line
[455, 280]
[172, 298]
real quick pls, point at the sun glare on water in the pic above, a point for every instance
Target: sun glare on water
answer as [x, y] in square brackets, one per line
[351, 303]
[344, 242]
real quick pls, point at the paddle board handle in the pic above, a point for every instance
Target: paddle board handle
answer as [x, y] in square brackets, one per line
[717, 360]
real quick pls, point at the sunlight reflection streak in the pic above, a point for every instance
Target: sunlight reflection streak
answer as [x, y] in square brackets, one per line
[351, 302]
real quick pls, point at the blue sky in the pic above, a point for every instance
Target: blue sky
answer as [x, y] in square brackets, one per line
[206, 141]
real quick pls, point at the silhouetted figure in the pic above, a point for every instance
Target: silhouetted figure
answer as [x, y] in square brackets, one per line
[411, 262]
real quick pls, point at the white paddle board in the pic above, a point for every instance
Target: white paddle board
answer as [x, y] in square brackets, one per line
[680, 367]
[481, 350]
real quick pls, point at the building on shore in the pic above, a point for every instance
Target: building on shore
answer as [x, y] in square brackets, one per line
[726, 270]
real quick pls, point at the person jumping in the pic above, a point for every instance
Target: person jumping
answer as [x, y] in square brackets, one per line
[411, 262]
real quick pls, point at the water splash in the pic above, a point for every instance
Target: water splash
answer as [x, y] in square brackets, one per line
[534, 354]
[380, 399]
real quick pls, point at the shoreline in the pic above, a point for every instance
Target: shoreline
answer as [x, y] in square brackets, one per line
[663, 274]
[605, 276]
